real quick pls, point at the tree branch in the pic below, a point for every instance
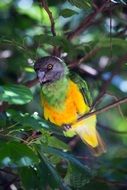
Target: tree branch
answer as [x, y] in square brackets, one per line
[86, 22]
[45, 6]
[111, 182]
[8, 171]
[111, 130]
[72, 144]
[105, 84]
[31, 83]
[56, 51]
[3, 106]
[75, 63]
[104, 109]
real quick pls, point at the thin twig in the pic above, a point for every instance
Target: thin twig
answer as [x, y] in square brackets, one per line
[14, 180]
[121, 33]
[105, 85]
[111, 130]
[3, 106]
[75, 63]
[56, 51]
[111, 182]
[111, 48]
[7, 171]
[72, 144]
[15, 137]
[90, 54]
[119, 108]
[104, 109]
[89, 20]
[86, 22]
[45, 6]
[31, 83]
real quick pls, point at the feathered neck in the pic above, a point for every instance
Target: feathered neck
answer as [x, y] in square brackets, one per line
[55, 93]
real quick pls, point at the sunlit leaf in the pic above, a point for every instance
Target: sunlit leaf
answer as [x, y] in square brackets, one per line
[17, 154]
[15, 94]
[32, 121]
[29, 69]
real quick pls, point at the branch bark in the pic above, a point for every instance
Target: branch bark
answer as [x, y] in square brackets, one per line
[45, 6]
[31, 83]
[111, 130]
[86, 22]
[75, 63]
[104, 109]
[105, 84]
[111, 182]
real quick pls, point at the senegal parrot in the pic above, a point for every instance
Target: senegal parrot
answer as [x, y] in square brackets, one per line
[63, 101]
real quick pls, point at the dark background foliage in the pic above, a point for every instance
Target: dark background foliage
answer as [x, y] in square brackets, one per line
[91, 36]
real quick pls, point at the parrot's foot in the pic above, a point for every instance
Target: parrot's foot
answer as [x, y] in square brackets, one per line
[66, 127]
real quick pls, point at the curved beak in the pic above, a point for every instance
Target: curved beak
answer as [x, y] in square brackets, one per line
[41, 76]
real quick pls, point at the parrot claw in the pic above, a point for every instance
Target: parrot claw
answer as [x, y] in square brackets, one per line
[66, 127]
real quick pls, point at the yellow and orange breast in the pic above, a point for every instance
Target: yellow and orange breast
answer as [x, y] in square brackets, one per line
[74, 105]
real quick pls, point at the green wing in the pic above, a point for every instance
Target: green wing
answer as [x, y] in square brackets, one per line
[83, 87]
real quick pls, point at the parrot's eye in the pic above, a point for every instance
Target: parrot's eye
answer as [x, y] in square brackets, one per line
[50, 66]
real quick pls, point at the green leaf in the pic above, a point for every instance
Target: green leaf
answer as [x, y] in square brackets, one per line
[68, 13]
[29, 177]
[54, 173]
[81, 4]
[5, 4]
[55, 142]
[76, 177]
[32, 121]
[17, 154]
[77, 165]
[65, 155]
[58, 41]
[51, 40]
[105, 42]
[15, 94]
[46, 177]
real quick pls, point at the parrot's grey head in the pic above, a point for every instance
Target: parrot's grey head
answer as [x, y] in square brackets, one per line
[50, 69]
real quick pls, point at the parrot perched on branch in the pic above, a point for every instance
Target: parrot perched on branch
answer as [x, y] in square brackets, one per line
[64, 101]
